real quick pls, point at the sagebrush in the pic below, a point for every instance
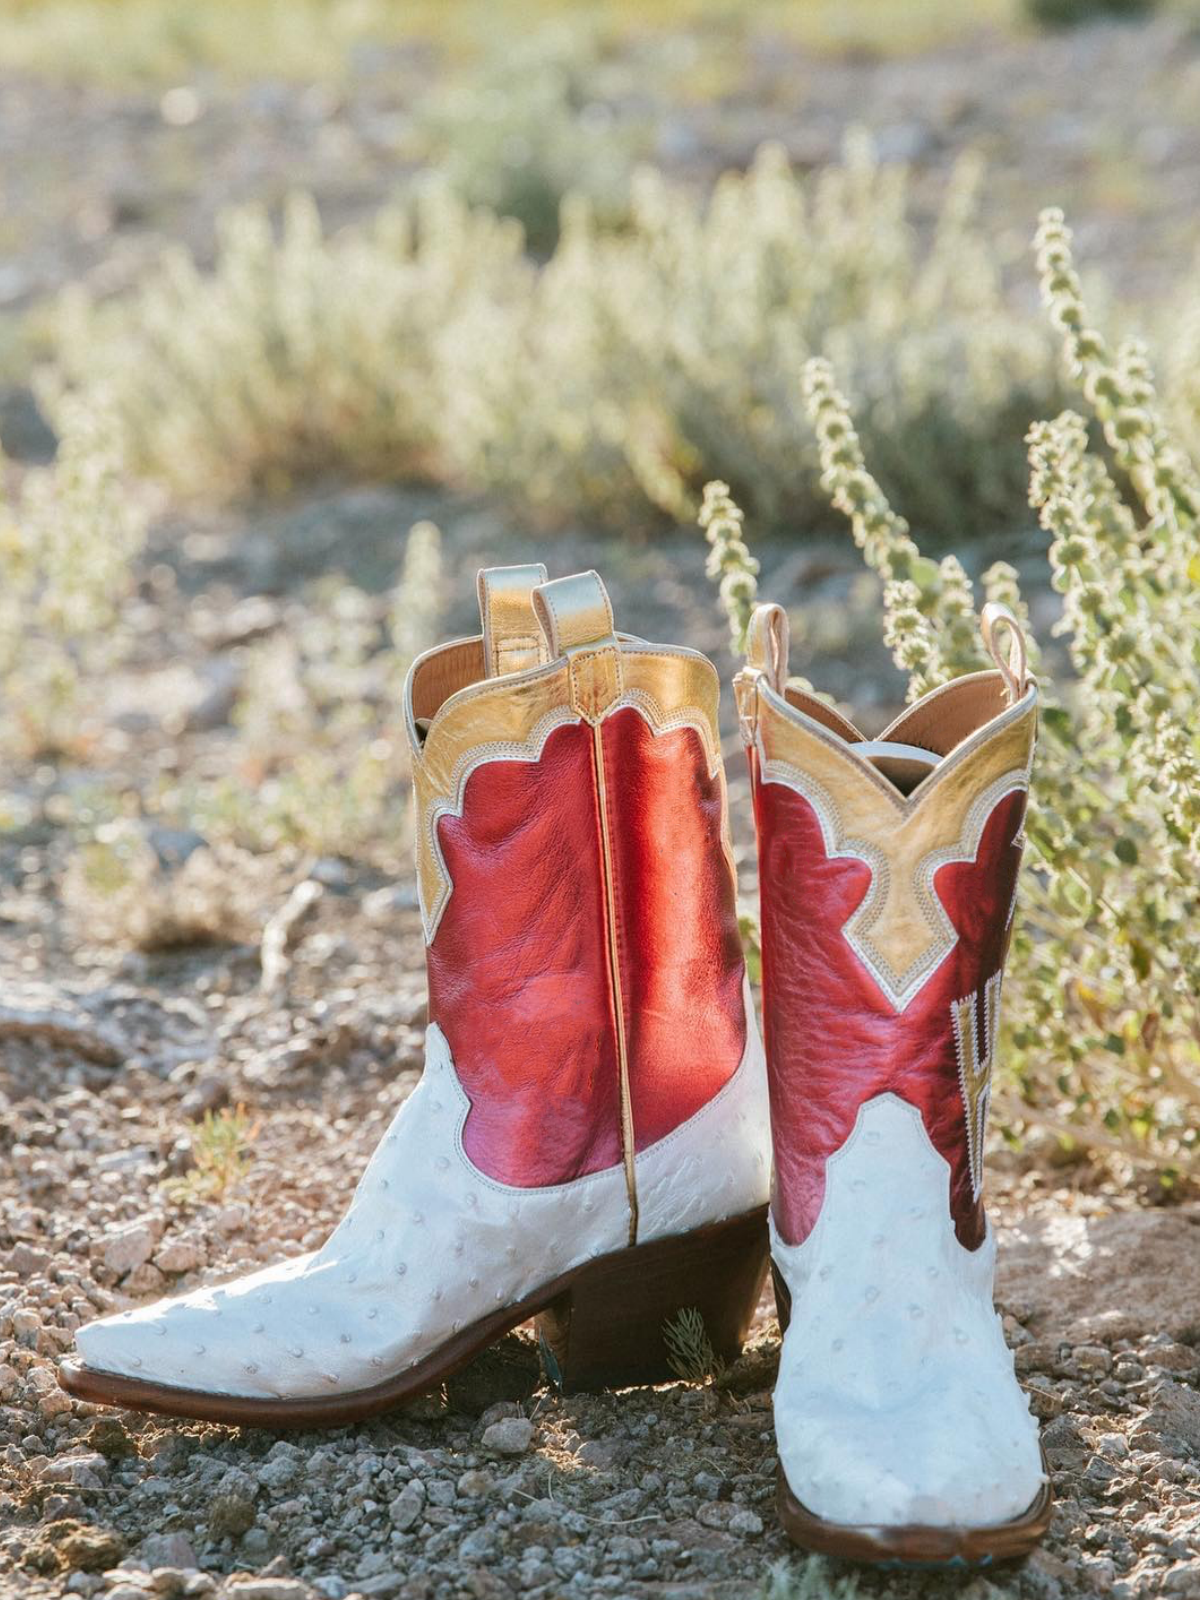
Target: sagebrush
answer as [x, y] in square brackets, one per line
[1102, 1011]
[69, 535]
[299, 355]
[606, 385]
[530, 125]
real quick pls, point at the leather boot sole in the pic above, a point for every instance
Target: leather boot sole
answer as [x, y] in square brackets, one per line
[913, 1544]
[916, 1544]
[601, 1326]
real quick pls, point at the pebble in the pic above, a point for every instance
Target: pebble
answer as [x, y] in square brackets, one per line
[408, 1505]
[84, 1471]
[183, 1253]
[475, 1482]
[268, 1589]
[511, 1436]
[125, 1249]
[167, 1550]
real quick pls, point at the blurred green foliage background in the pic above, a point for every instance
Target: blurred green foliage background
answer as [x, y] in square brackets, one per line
[281, 280]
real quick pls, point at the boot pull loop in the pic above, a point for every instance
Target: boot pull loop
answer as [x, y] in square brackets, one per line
[512, 639]
[994, 620]
[572, 612]
[576, 618]
[767, 644]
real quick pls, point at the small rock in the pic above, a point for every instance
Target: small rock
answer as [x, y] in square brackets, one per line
[1173, 1419]
[602, 1455]
[1113, 1445]
[281, 1467]
[746, 1522]
[477, 1547]
[124, 1249]
[231, 1218]
[83, 1471]
[167, 1550]
[381, 1587]
[261, 1588]
[501, 1408]
[475, 1482]
[511, 1436]
[183, 1253]
[170, 1582]
[90, 1549]
[1093, 1359]
[408, 1505]
[54, 1403]
[145, 1280]
[25, 1261]
[26, 1325]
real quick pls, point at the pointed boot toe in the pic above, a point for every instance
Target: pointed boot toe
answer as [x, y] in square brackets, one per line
[888, 873]
[900, 1422]
[588, 1143]
[241, 1336]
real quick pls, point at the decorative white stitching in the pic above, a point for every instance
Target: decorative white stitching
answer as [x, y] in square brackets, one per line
[643, 702]
[900, 988]
[531, 751]
[451, 805]
[964, 1014]
[441, 1058]
[977, 818]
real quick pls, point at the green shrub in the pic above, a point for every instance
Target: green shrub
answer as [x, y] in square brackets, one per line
[529, 126]
[646, 361]
[68, 539]
[604, 386]
[809, 1578]
[1103, 999]
[298, 355]
[1074, 13]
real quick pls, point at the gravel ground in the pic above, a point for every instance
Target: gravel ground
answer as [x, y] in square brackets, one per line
[496, 1486]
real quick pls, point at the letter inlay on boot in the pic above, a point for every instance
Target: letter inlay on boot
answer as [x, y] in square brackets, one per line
[588, 1143]
[888, 873]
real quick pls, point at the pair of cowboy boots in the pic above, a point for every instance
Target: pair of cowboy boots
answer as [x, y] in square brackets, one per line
[590, 1143]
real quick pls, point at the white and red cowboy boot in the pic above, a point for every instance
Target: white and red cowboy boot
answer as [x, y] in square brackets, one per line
[888, 873]
[588, 1142]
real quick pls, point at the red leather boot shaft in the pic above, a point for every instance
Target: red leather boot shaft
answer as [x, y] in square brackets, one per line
[834, 1039]
[518, 970]
[579, 901]
[680, 951]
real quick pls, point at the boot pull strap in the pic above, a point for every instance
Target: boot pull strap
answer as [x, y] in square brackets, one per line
[767, 644]
[995, 620]
[572, 612]
[512, 640]
[577, 620]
